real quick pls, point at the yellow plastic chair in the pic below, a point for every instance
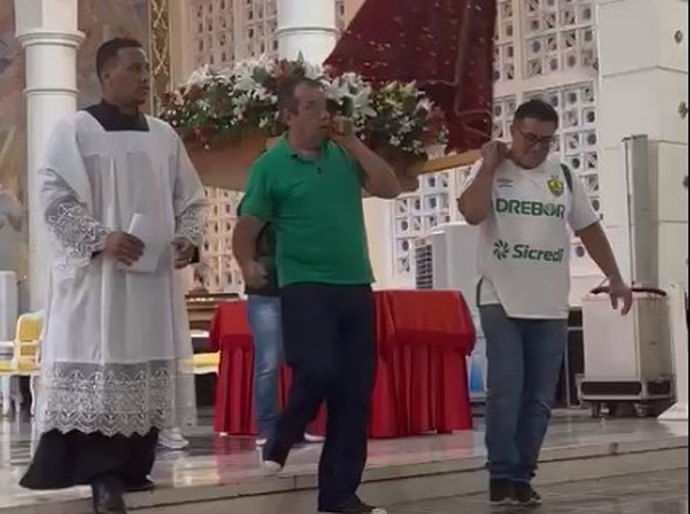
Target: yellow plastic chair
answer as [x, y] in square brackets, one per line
[7, 378]
[26, 350]
[27, 342]
[204, 363]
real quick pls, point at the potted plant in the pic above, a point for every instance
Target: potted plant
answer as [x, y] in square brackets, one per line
[227, 117]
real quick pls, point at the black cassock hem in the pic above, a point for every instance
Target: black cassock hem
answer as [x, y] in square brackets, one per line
[75, 458]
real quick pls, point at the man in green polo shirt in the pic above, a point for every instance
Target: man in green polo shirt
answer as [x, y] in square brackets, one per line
[308, 186]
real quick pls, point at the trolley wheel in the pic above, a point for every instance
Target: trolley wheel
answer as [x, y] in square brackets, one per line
[595, 408]
[656, 408]
[613, 409]
[642, 410]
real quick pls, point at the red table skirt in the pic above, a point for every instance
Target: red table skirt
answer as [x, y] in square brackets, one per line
[234, 409]
[419, 388]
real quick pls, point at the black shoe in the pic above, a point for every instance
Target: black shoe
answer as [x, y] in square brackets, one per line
[525, 495]
[354, 506]
[501, 493]
[139, 486]
[107, 497]
[275, 454]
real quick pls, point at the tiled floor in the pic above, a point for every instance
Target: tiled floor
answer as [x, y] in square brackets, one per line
[213, 460]
[656, 493]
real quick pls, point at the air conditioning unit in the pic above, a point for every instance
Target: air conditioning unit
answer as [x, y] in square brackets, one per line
[446, 259]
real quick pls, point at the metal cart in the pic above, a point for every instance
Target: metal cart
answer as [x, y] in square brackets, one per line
[627, 358]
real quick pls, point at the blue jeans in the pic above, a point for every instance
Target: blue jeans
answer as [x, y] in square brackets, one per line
[263, 315]
[524, 361]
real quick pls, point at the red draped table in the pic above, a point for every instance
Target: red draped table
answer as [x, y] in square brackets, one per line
[422, 341]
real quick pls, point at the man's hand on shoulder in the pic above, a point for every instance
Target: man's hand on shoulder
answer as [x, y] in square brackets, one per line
[123, 247]
[494, 154]
[254, 274]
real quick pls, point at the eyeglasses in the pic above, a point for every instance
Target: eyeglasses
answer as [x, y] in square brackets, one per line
[535, 140]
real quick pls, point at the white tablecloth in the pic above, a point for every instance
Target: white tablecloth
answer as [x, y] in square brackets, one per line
[8, 305]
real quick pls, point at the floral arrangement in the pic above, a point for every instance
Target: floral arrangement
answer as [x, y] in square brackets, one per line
[228, 104]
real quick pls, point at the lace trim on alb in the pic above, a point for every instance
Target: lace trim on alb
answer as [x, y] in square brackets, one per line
[74, 229]
[190, 224]
[111, 399]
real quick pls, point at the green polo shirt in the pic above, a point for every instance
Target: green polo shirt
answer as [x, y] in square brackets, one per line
[315, 208]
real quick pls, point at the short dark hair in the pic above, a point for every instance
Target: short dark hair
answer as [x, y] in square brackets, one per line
[286, 92]
[108, 51]
[537, 110]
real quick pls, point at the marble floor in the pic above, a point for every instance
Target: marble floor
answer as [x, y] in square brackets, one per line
[650, 493]
[211, 460]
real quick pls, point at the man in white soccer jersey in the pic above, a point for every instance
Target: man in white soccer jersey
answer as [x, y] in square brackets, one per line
[523, 203]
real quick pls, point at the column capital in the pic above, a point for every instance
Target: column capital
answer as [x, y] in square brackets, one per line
[42, 36]
[306, 29]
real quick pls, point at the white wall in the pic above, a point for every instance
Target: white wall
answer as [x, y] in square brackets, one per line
[643, 80]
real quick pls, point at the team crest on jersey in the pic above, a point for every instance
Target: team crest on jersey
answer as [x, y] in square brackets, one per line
[555, 186]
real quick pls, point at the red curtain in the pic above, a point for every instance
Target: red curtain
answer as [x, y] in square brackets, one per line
[447, 46]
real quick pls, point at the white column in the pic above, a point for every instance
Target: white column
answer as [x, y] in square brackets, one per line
[379, 225]
[48, 32]
[643, 82]
[306, 27]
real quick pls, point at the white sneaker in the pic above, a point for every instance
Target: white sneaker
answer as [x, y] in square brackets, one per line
[312, 438]
[261, 441]
[172, 439]
[272, 466]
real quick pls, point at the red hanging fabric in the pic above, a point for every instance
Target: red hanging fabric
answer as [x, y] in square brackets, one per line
[446, 46]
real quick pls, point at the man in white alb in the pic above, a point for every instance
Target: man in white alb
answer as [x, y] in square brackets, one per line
[523, 203]
[123, 206]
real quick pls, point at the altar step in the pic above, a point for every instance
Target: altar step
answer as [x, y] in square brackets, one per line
[401, 477]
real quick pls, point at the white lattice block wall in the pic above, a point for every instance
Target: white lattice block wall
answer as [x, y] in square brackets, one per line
[504, 110]
[577, 143]
[218, 267]
[504, 52]
[229, 30]
[418, 213]
[558, 35]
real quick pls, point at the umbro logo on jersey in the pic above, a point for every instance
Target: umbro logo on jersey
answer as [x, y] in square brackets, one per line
[504, 183]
